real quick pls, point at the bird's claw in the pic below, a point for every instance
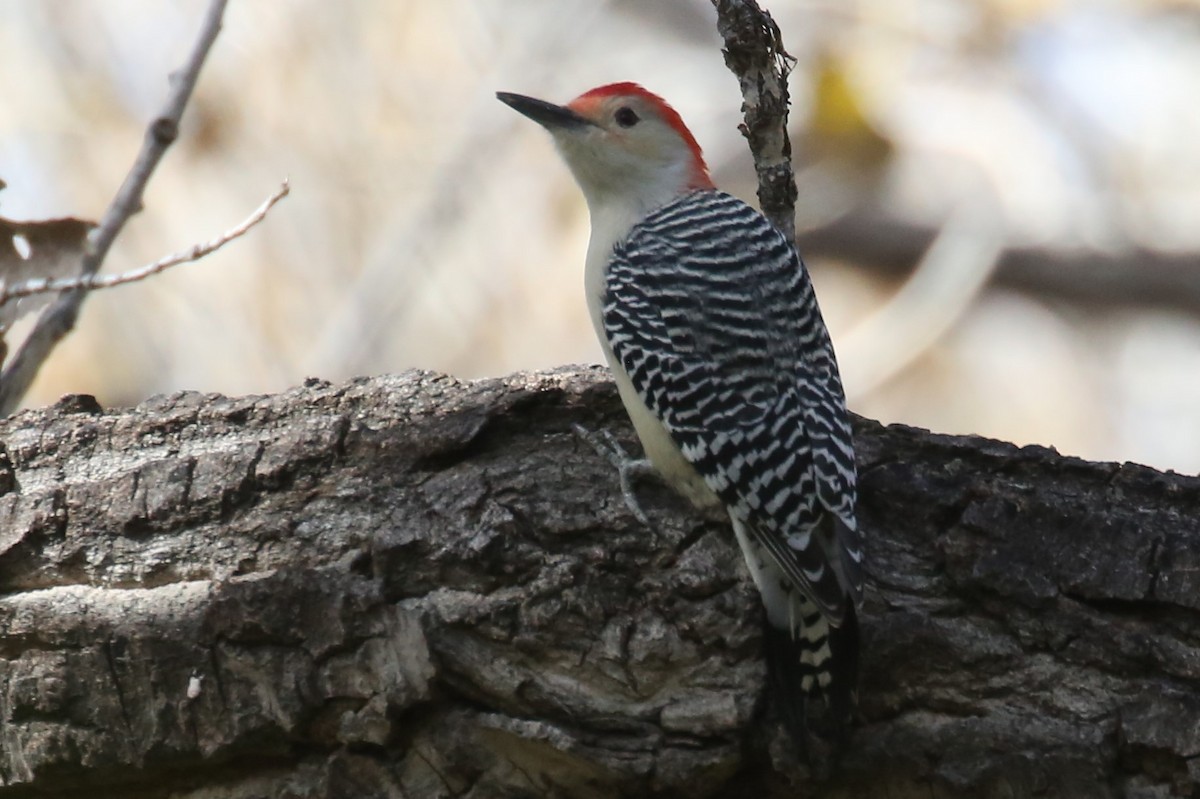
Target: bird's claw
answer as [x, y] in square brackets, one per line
[628, 468]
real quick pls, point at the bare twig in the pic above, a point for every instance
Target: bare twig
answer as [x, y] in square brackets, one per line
[93, 281]
[754, 53]
[59, 319]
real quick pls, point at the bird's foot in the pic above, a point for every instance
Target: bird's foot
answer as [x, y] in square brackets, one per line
[628, 468]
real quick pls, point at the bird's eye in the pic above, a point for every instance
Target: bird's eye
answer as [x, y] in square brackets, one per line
[626, 117]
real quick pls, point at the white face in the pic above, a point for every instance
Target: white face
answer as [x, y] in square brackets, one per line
[630, 153]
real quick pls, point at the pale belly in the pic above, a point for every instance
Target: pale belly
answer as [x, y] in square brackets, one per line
[656, 441]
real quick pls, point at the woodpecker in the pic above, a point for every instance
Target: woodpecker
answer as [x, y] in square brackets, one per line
[708, 319]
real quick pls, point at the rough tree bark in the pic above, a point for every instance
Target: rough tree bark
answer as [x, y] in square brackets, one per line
[416, 587]
[754, 52]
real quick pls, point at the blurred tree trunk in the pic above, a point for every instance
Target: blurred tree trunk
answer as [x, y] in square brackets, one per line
[416, 587]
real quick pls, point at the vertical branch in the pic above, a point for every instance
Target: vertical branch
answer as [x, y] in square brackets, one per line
[754, 53]
[59, 319]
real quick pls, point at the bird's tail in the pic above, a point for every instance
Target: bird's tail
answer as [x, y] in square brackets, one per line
[807, 656]
[813, 660]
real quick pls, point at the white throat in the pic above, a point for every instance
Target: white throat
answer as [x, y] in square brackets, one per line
[612, 218]
[621, 187]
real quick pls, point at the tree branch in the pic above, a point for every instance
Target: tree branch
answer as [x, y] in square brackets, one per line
[93, 281]
[754, 53]
[416, 586]
[59, 319]
[880, 243]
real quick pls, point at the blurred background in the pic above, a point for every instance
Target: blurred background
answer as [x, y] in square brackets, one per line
[1000, 199]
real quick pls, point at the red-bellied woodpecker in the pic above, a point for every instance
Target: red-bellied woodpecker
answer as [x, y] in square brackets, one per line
[708, 319]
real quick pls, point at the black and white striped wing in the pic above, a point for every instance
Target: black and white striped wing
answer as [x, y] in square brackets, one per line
[711, 313]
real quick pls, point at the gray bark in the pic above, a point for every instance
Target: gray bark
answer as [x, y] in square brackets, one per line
[754, 52]
[417, 587]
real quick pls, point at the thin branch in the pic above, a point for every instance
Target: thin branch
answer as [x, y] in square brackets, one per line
[754, 53]
[93, 281]
[1086, 276]
[59, 319]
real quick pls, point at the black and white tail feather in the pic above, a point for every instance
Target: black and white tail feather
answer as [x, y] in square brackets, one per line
[710, 311]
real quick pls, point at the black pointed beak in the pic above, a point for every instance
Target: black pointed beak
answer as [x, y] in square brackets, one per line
[548, 115]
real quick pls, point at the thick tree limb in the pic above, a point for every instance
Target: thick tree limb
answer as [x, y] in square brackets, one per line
[412, 586]
[59, 319]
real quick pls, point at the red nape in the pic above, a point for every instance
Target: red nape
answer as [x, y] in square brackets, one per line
[668, 114]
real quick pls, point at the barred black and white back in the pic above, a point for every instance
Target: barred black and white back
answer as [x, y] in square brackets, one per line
[710, 311]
